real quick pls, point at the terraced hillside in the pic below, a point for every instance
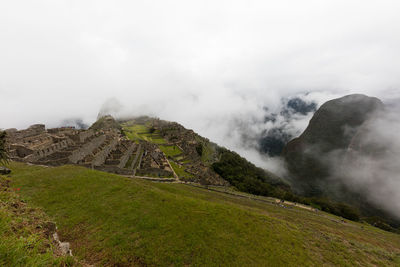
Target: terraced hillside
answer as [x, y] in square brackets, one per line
[103, 147]
[186, 162]
[196, 159]
[114, 220]
[143, 146]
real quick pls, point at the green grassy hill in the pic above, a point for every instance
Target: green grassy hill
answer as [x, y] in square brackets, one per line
[116, 221]
[25, 233]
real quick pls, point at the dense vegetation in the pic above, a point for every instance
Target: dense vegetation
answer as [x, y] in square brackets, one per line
[340, 209]
[246, 177]
[115, 221]
[199, 149]
[3, 152]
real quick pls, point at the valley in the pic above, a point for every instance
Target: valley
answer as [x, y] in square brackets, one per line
[147, 192]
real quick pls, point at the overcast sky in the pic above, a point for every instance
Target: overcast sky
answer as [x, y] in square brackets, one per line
[200, 63]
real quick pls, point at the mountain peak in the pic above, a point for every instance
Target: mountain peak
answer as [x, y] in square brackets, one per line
[105, 122]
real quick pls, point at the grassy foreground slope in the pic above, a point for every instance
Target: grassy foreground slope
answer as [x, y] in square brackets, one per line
[113, 220]
[25, 237]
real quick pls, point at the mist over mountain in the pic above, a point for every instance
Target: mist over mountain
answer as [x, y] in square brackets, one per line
[261, 135]
[78, 123]
[332, 127]
[349, 152]
[273, 139]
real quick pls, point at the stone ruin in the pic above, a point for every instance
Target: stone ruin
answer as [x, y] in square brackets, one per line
[108, 149]
[188, 141]
[104, 149]
[154, 162]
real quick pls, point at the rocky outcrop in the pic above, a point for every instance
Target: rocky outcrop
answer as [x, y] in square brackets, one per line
[329, 133]
[106, 123]
[4, 170]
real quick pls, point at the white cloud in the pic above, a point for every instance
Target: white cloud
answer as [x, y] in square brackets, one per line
[200, 63]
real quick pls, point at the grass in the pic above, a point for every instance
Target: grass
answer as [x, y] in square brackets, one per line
[132, 135]
[170, 151]
[208, 151]
[22, 238]
[180, 170]
[112, 220]
[153, 138]
[153, 175]
[139, 153]
[130, 160]
[132, 132]
[138, 132]
[179, 158]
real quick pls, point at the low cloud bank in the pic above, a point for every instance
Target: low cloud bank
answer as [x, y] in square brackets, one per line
[372, 163]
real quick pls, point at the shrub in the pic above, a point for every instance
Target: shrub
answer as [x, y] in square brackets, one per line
[199, 149]
[152, 129]
[3, 151]
[245, 176]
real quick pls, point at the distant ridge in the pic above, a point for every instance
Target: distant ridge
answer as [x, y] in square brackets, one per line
[332, 127]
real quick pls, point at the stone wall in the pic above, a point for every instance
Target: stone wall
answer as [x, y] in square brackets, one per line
[86, 149]
[83, 136]
[36, 140]
[15, 136]
[124, 159]
[114, 169]
[106, 150]
[100, 158]
[138, 159]
[20, 151]
[44, 152]
[63, 130]
[154, 172]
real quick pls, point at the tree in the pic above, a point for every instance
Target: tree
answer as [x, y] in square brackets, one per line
[3, 151]
[199, 149]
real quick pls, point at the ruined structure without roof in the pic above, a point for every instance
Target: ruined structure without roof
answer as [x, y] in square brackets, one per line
[102, 149]
[106, 147]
